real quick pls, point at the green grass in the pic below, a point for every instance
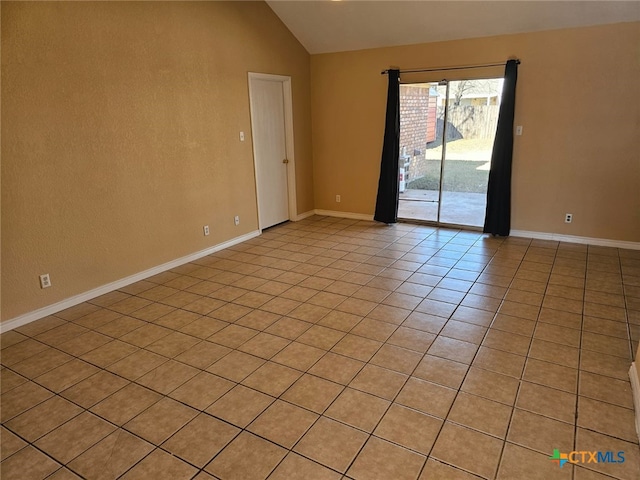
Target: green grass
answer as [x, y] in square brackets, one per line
[463, 149]
[459, 176]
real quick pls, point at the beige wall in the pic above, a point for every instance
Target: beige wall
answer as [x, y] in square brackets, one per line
[121, 120]
[120, 136]
[577, 98]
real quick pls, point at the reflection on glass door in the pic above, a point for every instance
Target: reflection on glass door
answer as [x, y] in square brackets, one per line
[446, 137]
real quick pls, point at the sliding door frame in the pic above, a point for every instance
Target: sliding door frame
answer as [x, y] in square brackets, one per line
[445, 128]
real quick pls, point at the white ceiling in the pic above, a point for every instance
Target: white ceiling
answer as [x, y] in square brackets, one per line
[334, 26]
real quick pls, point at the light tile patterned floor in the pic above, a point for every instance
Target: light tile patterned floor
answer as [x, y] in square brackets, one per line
[330, 349]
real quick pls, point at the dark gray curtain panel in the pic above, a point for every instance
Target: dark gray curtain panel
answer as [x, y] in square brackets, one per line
[387, 200]
[497, 219]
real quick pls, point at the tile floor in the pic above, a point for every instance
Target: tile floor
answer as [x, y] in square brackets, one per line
[331, 349]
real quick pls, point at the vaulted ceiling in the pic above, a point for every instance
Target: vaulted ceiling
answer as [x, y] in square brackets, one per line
[333, 26]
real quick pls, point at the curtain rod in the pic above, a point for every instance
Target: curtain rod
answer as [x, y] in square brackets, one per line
[464, 67]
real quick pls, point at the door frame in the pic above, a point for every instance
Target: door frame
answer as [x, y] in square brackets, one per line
[289, 145]
[437, 221]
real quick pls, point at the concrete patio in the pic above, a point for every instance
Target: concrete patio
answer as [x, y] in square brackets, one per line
[457, 208]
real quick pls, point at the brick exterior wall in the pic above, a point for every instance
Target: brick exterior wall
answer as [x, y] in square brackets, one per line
[417, 124]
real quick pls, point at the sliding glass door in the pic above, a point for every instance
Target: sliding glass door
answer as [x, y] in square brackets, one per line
[446, 137]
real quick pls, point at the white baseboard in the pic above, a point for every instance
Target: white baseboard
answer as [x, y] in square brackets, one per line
[601, 242]
[123, 282]
[635, 392]
[304, 215]
[352, 216]
[96, 292]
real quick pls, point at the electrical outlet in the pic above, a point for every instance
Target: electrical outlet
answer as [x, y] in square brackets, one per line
[206, 230]
[45, 281]
[236, 220]
[338, 199]
[568, 217]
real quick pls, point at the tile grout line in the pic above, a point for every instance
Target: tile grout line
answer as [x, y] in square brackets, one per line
[291, 341]
[513, 407]
[578, 377]
[391, 403]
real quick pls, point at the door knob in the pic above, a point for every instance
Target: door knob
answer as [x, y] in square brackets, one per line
[285, 161]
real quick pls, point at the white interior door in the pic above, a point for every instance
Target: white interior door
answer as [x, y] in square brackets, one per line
[269, 132]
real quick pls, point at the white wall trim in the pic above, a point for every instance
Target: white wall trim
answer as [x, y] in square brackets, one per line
[602, 242]
[635, 392]
[123, 282]
[96, 292]
[304, 215]
[353, 216]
